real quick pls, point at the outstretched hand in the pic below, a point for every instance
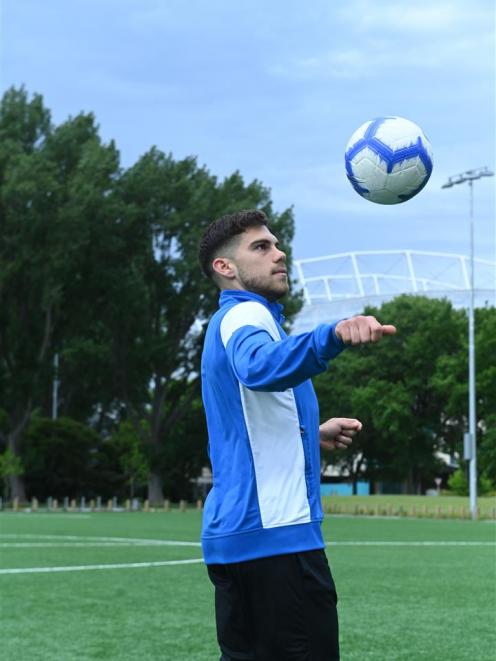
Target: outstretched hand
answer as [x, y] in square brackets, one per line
[361, 330]
[337, 433]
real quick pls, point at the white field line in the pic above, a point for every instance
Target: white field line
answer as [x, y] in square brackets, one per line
[64, 541]
[92, 541]
[65, 545]
[52, 515]
[80, 545]
[411, 543]
[127, 565]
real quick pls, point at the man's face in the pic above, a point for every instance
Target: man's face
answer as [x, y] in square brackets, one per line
[258, 264]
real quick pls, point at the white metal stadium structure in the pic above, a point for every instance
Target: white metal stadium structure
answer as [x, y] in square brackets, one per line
[339, 286]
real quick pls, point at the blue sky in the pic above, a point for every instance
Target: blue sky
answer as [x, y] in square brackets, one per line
[274, 89]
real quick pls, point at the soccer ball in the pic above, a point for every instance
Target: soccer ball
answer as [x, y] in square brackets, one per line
[388, 160]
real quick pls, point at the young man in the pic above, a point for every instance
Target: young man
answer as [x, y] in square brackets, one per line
[274, 594]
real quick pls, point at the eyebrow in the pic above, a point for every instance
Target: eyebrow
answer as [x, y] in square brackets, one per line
[259, 242]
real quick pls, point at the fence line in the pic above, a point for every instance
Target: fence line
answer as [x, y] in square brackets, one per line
[349, 508]
[96, 505]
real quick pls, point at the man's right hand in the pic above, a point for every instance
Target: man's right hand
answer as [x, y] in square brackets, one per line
[362, 330]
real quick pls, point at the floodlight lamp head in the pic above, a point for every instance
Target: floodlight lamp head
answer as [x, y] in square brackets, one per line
[468, 175]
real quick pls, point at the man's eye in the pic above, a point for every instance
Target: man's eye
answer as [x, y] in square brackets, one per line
[261, 246]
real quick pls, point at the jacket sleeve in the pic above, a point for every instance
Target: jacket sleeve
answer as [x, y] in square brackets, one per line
[262, 360]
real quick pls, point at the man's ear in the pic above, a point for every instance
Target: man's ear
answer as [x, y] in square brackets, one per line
[224, 267]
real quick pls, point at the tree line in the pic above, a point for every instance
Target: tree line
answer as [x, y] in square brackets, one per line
[411, 393]
[98, 267]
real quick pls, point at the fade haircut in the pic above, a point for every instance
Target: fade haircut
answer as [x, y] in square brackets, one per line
[220, 233]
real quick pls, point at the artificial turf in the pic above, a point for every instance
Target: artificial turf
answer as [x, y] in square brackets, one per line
[398, 599]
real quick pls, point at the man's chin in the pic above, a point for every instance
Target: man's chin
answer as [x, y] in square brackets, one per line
[276, 293]
[272, 292]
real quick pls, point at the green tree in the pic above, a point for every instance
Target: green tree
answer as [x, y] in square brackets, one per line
[98, 265]
[127, 446]
[485, 346]
[58, 246]
[335, 391]
[391, 388]
[61, 458]
[451, 380]
[185, 452]
[10, 464]
[28, 295]
[172, 203]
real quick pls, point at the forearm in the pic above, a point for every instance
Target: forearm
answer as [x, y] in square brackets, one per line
[261, 363]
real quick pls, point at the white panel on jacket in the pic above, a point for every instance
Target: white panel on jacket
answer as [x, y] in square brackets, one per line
[273, 427]
[248, 313]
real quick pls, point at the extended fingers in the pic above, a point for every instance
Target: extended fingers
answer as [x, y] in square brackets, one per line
[376, 330]
[362, 329]
[388, 329]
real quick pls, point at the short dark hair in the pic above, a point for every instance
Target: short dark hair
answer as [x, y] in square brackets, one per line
[222, 230]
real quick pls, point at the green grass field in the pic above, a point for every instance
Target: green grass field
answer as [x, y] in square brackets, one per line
[408, 588]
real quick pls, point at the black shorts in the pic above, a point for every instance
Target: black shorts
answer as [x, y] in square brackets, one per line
[281, 608]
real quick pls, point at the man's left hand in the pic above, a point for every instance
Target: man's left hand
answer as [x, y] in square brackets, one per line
[337, 433]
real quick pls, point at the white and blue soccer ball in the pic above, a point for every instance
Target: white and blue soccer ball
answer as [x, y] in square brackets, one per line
[388, 160]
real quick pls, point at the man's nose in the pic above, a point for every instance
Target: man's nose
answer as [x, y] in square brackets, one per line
[279, 255]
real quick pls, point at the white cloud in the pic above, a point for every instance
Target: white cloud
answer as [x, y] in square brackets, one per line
[422, 16]
[371, 37]
[470, 53]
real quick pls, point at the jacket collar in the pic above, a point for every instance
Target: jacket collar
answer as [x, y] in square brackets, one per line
[227, 296]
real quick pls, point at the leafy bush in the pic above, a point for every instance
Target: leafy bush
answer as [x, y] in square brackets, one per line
[458, 482]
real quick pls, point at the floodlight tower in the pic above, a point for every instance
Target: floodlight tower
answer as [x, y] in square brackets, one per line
[471, 439]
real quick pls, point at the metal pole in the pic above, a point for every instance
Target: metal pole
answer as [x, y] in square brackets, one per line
[471, 370]
[470, 439]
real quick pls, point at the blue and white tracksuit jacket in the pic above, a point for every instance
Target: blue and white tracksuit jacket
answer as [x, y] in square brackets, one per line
[263, 426]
